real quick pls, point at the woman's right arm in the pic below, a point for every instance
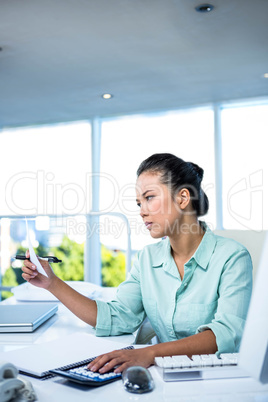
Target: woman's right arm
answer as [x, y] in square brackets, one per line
[83, 307]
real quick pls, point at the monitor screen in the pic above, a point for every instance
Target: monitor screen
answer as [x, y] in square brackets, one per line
[254, 346]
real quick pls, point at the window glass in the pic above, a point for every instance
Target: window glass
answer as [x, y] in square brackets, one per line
[63, 238]
[126, 142]
[45, 170]
[245, 167]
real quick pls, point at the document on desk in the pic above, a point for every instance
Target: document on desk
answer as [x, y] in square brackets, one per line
[33, 257]
[38, 359]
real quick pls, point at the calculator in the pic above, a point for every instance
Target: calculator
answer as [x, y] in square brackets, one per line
[84, 376]
[79, 373]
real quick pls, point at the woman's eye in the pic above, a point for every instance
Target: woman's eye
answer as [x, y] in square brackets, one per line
[148, 198]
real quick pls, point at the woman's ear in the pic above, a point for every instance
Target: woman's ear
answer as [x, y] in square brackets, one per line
[183, 198]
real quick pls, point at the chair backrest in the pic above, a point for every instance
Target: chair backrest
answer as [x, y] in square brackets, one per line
[251, 239]
[145, 334]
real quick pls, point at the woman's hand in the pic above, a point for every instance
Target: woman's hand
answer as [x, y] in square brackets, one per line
[122, 359]
[31, 275]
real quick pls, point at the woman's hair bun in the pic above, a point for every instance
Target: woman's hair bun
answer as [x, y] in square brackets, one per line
[199, 171]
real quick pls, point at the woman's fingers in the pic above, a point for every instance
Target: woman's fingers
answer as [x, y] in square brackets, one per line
[27, 277]
[123, 367]
[109, 361]
[29, 271]
[99, 362]
[105, 362]
[29, 264]
[122, 359]
[110, 365]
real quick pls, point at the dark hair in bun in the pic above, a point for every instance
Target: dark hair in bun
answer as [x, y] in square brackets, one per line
[178, 174]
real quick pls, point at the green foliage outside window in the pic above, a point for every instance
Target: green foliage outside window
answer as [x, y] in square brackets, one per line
[12, 276]
[72, 255]
[113, 270]
[9, 279]
[72, 267]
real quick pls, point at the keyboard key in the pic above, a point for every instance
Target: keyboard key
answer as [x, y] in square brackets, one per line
[84, 372]
[159, 361]
[206, 360]
[215, 360]
[229, 359]
[196, 361]
[168, 362]
[181, 361]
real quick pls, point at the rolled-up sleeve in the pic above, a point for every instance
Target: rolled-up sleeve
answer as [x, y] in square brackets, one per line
[125, 313]
[234, 292]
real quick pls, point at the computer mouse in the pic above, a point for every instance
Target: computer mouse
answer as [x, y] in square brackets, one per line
[137, 379]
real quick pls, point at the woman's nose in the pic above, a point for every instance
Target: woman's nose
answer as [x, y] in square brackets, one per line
[143, 211]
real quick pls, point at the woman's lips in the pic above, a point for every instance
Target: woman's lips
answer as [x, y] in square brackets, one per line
[148, 225]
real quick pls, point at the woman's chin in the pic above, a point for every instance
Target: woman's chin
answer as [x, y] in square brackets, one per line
[156, 235]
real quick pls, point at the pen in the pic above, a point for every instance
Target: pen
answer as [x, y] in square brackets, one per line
[48, 258]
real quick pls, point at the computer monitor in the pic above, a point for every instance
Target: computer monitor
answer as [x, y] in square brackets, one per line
[253, 356]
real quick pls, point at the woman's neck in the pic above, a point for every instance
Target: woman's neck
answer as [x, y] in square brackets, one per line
[185, 243]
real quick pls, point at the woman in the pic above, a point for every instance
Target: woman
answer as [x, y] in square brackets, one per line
[193, 286]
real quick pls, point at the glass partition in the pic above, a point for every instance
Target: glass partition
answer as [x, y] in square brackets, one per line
[46, 170]
[245, 166]
[127, 141]
[63, 238]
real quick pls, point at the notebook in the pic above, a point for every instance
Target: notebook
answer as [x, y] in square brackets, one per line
[25, 317]
[67, 352]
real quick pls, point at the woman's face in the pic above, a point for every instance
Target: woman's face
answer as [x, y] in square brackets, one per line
[159, 211]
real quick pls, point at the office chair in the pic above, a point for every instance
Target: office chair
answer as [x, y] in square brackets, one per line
[145, 334]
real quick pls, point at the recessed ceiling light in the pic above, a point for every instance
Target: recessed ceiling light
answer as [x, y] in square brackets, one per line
[107, 96]
[265, 75]
[204, 8]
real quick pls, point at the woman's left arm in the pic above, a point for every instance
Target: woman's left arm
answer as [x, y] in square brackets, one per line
[202, 343]
[234, 292]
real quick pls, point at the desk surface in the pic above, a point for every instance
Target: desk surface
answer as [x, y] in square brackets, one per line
[57, 389]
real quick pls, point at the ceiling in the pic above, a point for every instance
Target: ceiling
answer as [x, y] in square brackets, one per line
[59, 56]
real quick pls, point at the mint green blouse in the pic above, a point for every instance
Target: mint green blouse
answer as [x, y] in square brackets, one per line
[214, 293]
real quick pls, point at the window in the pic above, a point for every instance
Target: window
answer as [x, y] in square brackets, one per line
[126, 142]
[245, 166]
[45, 170]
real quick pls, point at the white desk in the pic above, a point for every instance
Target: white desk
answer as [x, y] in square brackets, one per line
[57, 389]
